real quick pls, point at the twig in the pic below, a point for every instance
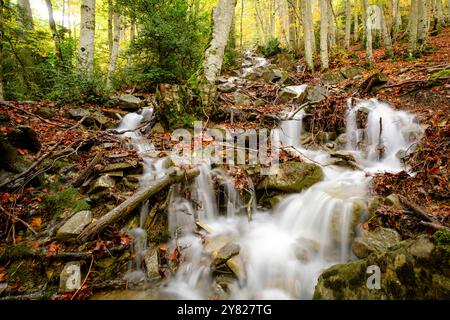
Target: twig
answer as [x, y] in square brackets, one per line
[434, 226]
[31, 114]
[87, 172]
[87, 276]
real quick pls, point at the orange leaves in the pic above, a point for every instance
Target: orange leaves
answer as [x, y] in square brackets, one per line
[52, 249]
[125, 240]
[8, 198]
[36, 222]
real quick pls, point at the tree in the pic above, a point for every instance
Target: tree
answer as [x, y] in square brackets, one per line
[110, 25]
[348, 23]
[386, 35]
[87, 36]
[1, 51]
[25, 16]
[309, 36]
[422, 29]
[324, 34]
[397, 18]
[413, 22]
[51, 21]
[115, 48]
[368, 36]
[356, 22]
[212, 65]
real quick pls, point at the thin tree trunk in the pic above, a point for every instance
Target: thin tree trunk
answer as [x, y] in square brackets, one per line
[132, 37]
[87, 36]
[110, 25]
[292, 23]
[51, 21]
[2, 97]
[348, 23]
[413, 21]
[369, 50]
[440, 12]
[324, 34]
[241, 40]
[397, 18]
[307, 25]
[422, 29]
[25, 14]
[332, 35]
[386, 35]
[363, 7]
[69, 18]
[356, 22]
[115, 48]
[212, 65]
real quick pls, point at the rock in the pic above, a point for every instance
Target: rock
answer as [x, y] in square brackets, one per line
[152, 264]
[326, 136]
[102, 183]
[276, 200]
[344, 160]
[241, 99]
[130, 103]
[78, 113]
[287, 94]
[45, 112]
[352, 72]
[98, 118]
[157, 129]
[121, 166]
[226, 252]
[269, 75]
[313, 94]
[394, 201]
[342, 139]
[214, 244]
[412, 269]
[70, 277]
[24, 137]
[293, 177]
[10, 158]
[374, 241]
[237, 267]
[74, 226]
[332, 78]
[285, 61]
[373, 82]
[226, 87]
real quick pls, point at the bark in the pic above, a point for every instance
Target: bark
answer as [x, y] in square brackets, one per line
[422, 29]
[356, 22]
[115, 48]
[88, 170]
[348, 23]
[87, 36]
[440, 12]
[110, 25]
[2, 97]
[386, 35]
[332, 35]
[25, 15]
[212, 65]
[397, 18]
[132, 37]
[324, 34]
[127, 207]
[413, 21]
[363, 6]
[292, 34]
[369, 50]
[308, 28]
[51, 21]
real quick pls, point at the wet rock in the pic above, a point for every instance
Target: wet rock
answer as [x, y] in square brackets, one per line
[157, 129]
[374, 204]
[102, 183]
[226, 87]
[332, 78]
[285, 61]
[373, 82]
[313, 94]
[374, 241]
[99, 119]
[394, 201]
[78, 113]
[293, 177]
[130, 103]
[70, 278]
[326, 136]
[214, 244]
[241, 99]
[276, 200]
[10, 158]
[342, 139]
[287, 94]
[24, 137]
[237, 267]
[343, 160]
[352, 72]
[227, 283]
[121, 166]
[152, 264]
[75, 225]
[225, 253]
[412, 269]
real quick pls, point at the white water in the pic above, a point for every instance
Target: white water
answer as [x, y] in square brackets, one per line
[283, 251]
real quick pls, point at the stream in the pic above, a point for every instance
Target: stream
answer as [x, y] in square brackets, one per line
[283, 251]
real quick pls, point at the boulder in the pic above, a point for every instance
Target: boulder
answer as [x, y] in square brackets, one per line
[287, 94]
[332, 78]
[130, 103]
[45, 112]
[24, 137]
[241, 99]
[70, 278]
[237, 267]
[74, 226]
[293, 177]
[285, 61]
[343, 160]
[374, 241]
[152, 264]
[78, 113]
[412, 269]
[102, 183]
[10, 158]
[226, 87]
[373, 82]
[313, 94]
[121, 166]
[225, 253]
[352, 72]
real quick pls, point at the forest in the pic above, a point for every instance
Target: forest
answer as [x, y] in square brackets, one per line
[224, 149]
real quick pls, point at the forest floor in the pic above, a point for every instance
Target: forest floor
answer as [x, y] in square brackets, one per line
[32, 209]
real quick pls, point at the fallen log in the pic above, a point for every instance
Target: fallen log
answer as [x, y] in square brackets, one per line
[173, 176]
[434, 226]
[419, 211]
[87, 172]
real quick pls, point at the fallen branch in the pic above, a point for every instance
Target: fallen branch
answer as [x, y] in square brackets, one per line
[124, 209]
[32, 114]
[434, 226]
[87, 172]
[418, 211]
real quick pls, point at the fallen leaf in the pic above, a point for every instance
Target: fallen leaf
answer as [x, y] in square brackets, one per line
[36, 222]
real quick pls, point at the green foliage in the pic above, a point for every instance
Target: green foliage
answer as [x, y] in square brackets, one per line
[442, 240]
[440, 74]
[271, 48]
[60, 200]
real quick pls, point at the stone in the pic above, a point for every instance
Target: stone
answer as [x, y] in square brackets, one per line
[214, 244]
[226, 252]
[121, 166]
[332, 78]
[342, 139]
[10, 158]
[352, 72]
[152, 264]
[70, 278]
[373, 82]
[374, 241]
[241, 99]
[102, 183]
[422, 248]
[24, 137]
[157, 129]
[285, 61]
[313, 94]
[227, 87]
[342, 159]
[130, 103]
[75, 225]
[394, 201]
[237, 267]
[287, 94]
[78, 113]
[45, 112]
[293, 177]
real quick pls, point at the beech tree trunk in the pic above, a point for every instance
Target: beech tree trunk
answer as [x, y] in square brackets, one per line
[422, 28]
[369, 50]
[110, 25]
[324, 34]
[386, 35]
[115, 48]
[223, 16]
[2, 97]
[51, 21]
[332, 33]
[87, 36]
[132, 37]
[396, 18]
[348, 23]
[356, 22]
[413, 22]
[308, 30]
[25, 16]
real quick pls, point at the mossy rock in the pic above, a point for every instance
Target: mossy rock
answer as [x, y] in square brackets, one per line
[66, 201]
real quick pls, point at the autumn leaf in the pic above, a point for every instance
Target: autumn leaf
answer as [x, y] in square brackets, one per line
[52, 249]
[36, 222]
[125, 240]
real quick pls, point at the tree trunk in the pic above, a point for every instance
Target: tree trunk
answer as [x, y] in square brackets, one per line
[212, 64]
[87, 36]
[397, 18]
[413, 21]
[110, 25]
[292, 22]
[25, 15]
[348, 23]
[2, 97]
[115, 48]
[332, 35]
[51, 21]
[386, 35]
[324, 34]
[422, 29]
[308, 30]
[363, 5]
[356, 22]
[369, 50]
[440, 12]
[132, 37]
